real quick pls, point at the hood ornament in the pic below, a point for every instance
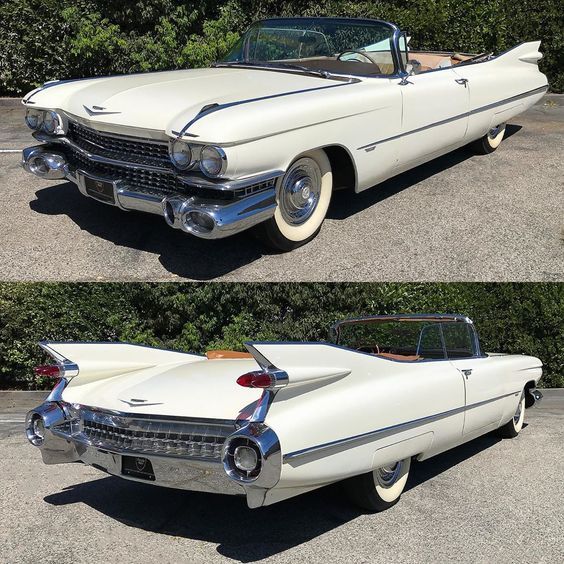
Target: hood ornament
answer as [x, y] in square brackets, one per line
[133, 402]
[98, 110]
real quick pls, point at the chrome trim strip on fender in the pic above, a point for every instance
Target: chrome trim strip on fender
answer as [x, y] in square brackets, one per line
[220, 107]
[386, 431]
[371, 146]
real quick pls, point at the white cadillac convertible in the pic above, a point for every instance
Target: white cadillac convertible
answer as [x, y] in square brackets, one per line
[299, 108]
[286, 418]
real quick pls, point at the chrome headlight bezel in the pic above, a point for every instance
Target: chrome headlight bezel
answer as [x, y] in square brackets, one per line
[52, 123]
[43, 119]
[173, 146]
[219, 158]
[34, 118]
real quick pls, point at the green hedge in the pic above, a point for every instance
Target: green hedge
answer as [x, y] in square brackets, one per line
[43, 40]
[512, 318]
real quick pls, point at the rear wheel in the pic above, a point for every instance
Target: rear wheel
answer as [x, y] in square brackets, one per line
[515, 424]
[303, 199]
[380, 489]
[491, 141]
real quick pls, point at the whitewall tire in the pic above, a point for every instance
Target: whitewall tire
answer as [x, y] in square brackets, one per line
[303, 198]
[491, 141]
[515, 424]
[380, 489]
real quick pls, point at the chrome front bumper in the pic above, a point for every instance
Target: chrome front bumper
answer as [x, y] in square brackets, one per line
[203, 217]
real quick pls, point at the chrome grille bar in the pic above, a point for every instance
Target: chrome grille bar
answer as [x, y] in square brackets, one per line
[128, 149]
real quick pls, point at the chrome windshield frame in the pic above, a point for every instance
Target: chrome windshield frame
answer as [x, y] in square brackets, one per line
[396, 33]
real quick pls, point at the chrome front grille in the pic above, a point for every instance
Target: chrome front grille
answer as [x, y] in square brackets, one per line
[187, 439]
[139, 179]
[120, 147]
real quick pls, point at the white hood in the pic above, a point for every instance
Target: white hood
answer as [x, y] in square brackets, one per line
[164, 101]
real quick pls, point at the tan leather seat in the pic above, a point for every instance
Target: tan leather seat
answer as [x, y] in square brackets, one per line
[217, 355]
[404, 357]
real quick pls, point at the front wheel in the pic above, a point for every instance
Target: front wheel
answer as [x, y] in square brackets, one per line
[303, 199]
[490, 141]
[380, 489]
[515, 424]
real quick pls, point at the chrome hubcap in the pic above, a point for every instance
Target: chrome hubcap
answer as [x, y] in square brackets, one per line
[300, 191]
[494, 131]
[388, 475]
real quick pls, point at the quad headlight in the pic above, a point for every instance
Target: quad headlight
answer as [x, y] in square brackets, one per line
[213, 161]
[48, 121]
[34, 119]
[180, 154]
[51, 122]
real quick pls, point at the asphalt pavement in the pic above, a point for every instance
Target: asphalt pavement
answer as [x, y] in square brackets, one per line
[490, 500]
[460, 217]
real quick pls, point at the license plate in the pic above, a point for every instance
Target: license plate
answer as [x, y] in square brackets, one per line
[137, 467]
[100, 189]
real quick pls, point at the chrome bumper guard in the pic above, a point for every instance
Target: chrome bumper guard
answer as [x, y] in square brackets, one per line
[533, 397]
[204, 218]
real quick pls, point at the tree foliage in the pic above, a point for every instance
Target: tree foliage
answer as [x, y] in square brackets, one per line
[511, 318]
[52, 39]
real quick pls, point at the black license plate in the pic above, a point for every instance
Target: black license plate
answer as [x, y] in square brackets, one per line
[100, 189]
[137, 467]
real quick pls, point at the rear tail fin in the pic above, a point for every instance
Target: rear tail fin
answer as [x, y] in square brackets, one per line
[94, 361]
[293, 364]
[526, 53]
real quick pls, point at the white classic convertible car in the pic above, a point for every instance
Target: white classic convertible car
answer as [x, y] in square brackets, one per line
[299, 108]
[286, 418]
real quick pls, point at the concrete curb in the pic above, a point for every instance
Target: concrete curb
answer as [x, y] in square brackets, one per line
[10, 102]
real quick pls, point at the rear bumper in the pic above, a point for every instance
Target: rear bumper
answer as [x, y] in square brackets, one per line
[184, 453]
[63, 442]
[206, 218]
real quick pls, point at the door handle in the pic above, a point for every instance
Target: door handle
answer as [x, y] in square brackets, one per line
[466, 372]
[463, 81]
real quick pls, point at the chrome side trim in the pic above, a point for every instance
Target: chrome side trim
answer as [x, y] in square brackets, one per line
[370, 146]
[220, 107]
[386, 431]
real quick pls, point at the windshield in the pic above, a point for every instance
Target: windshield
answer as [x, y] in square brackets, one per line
[409, 340]
[362, 47]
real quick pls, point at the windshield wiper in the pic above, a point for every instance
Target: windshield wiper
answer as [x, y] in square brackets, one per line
[277, 65]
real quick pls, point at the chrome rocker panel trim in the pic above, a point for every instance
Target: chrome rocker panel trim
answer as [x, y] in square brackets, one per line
[227, 218]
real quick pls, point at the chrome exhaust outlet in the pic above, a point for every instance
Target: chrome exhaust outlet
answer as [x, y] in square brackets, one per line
[45, 163]
[215, 221]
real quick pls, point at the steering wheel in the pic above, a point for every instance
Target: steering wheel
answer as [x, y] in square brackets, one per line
[363, 54]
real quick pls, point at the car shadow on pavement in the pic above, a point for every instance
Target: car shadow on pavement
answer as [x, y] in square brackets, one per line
[242, 534]
[344, 206]
[179, 253]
